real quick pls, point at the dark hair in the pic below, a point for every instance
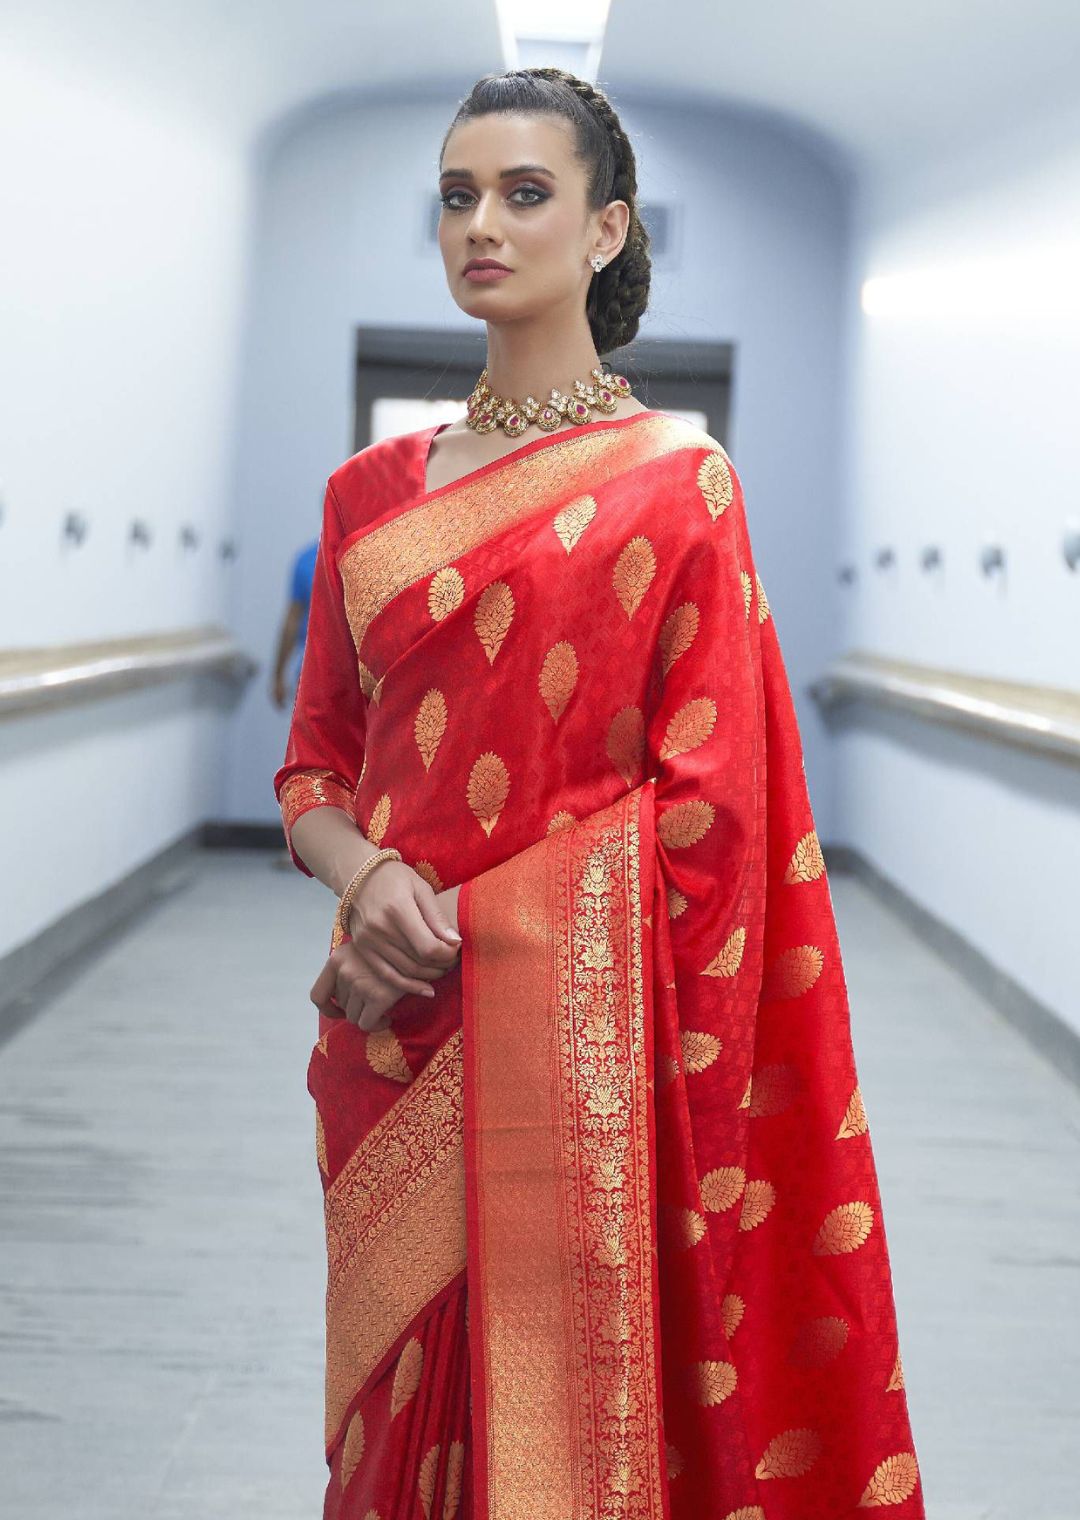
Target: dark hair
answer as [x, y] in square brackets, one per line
[620, 292]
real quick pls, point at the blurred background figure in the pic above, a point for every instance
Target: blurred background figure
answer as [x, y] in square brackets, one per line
[219, 278]
[293, 630]
[290, 643]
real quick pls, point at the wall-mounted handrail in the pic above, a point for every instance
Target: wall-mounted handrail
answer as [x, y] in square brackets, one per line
[1035, 717]
[32, 679]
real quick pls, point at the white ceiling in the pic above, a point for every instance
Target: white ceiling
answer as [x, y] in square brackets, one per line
[883, 87]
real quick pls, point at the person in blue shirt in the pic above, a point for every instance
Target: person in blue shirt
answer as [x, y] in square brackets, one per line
[293, 631]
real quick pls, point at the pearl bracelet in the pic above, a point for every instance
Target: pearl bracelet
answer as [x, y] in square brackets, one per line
[345, 905]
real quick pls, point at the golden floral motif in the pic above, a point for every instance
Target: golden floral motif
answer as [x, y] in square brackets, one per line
[689, 727]
[558, 677]
[732, 1309]
[677, 634]
[676, 903]
[320, 1043]
[572, 521]
[747, 590]
[762, 599]
[425, 1483]
[722, 1188]
[683, 1228]
[492, 617]
[793, 972]
[729, 958]
[713, 1382]
[854, 1121]
[455, 1462]
[354, 1448]
[674, 1460]
[561, 820]
[775, 1089]
[488, 788]
[386, 1057]
[626, 743]
[684, 823]
[320, 1144]
[367, 679]
[758, 1200]
[843, 1229]
[380, 820]
[446, 592]
[425, 869]
[893, 1481]
[634, 572]
[410, 1364]
[745, 1100]
[819, 1341]
[808, 862]
[699, 1049]
[667, 1069]
[896, 1376]
[377, 689]
[790, 1454]
[747, 1512]
[430, 724]
[714, 482]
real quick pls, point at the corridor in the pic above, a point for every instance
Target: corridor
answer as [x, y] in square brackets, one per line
[162, 1269]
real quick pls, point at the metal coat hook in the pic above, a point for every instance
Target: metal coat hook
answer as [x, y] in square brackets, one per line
[991, 558]
[139, 532]
[885, 557]
[75, 527]
[930, 557]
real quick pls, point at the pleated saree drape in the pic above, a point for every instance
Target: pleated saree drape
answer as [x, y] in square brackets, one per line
[604, 1234]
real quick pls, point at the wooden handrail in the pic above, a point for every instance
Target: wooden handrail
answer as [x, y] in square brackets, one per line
[1014, 712]
[32, 679]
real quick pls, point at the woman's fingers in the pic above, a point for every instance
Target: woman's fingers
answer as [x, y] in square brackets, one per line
[398, 982]
[323, 989]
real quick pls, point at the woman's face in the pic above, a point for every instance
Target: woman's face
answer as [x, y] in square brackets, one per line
[532, 219]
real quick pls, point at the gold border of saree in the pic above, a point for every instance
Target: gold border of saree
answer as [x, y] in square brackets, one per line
[560, 1175]
[395, 1227]
[376, 565]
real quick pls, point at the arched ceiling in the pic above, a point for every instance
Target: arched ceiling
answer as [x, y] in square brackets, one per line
[884, 88]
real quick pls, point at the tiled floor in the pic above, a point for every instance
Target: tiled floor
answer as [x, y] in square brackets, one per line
[161, 1255]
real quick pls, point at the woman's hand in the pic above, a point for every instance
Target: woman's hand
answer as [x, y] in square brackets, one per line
[403, 937]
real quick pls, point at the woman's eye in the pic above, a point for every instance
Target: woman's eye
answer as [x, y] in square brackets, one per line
[450, 202]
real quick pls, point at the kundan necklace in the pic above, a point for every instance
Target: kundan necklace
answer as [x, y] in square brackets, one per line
[486, 411]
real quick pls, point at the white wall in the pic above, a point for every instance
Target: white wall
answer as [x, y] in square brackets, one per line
[122, 247]
[760, 244]
[963, 429]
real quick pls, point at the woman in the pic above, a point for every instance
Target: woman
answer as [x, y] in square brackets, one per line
[603, 1226]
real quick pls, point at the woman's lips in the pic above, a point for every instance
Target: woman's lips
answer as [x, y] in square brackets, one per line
[485, 276]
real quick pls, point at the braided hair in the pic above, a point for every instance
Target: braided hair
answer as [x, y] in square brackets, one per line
[619, 294]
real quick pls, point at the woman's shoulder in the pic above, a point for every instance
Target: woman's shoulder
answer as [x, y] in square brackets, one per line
[378, 476]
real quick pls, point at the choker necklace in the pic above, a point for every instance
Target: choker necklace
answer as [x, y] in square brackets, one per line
[486, 411]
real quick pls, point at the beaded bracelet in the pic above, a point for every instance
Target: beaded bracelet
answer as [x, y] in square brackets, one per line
[345, 905]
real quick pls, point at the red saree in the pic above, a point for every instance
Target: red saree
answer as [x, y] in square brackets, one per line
[603, 1226]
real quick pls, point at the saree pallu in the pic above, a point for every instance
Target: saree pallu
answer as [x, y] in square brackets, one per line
[604, 1234]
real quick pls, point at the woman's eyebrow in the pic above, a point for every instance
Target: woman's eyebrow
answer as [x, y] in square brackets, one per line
[504, 174]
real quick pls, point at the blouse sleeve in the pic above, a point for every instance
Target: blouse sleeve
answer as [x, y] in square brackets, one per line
[325, 751]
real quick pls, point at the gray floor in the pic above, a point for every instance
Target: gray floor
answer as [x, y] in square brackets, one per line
[161, 1274]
